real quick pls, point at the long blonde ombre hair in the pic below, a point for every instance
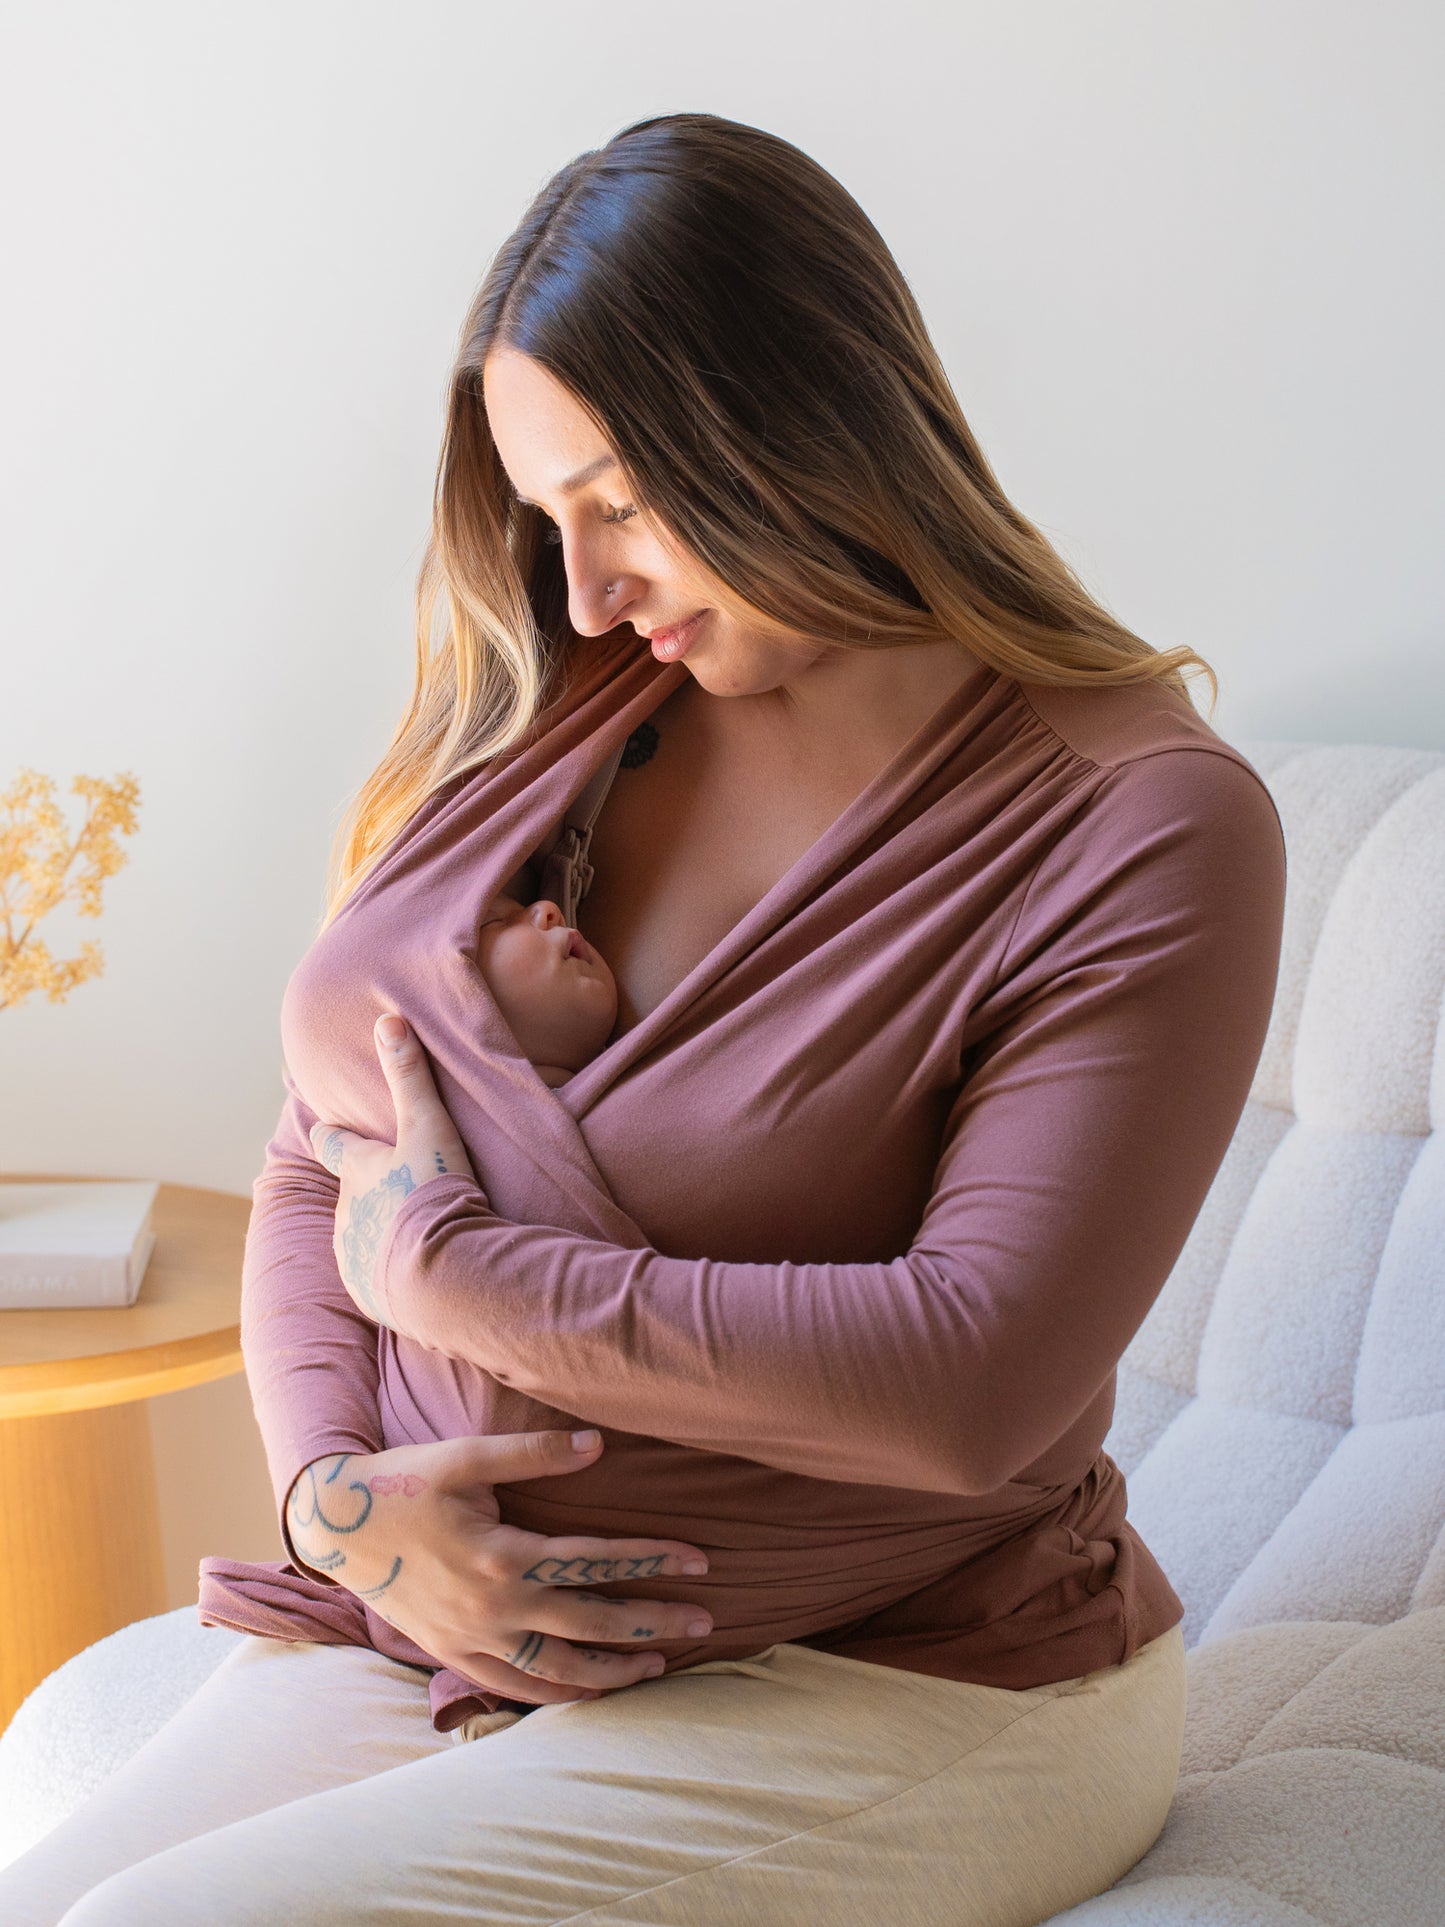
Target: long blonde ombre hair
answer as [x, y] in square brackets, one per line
[749, 348]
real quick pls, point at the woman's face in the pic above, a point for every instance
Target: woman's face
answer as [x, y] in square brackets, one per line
[557, 460]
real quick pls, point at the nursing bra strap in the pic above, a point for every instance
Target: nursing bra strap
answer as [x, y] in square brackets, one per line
[567, 872]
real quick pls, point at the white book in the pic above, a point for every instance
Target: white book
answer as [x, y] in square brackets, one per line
[68, 1245]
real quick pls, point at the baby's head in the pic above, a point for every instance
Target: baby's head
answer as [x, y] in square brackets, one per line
[555, 993]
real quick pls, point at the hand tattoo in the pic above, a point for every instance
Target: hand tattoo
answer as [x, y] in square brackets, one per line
[331, 1153]
[408, 1484]
[319, 1502]
[375, 1592]
[307, 1509]
[371, 1212]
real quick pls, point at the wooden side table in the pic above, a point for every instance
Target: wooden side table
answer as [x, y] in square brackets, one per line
[80, 1546]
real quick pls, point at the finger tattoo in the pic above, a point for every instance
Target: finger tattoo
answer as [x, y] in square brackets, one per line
[595, 1572]
[530, 1647]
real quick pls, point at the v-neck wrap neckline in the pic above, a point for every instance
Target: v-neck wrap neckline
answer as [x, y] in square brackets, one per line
[562, 774]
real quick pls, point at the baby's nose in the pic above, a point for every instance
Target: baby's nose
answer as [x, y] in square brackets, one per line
[545, 913]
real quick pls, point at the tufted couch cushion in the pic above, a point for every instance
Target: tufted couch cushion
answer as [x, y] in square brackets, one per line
[92, 1713]
[1280, 1420]
[1281, 1412]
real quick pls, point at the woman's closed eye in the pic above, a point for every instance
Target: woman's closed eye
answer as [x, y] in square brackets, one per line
[553, 534]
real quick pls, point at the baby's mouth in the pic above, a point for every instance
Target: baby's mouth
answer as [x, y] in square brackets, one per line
[575, 946]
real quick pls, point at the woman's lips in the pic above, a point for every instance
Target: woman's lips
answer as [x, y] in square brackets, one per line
[669, 644]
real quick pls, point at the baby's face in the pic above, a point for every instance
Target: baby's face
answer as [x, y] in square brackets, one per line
[558, 997]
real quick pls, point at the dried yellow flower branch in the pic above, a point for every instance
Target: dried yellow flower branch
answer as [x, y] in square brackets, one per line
[36, 853]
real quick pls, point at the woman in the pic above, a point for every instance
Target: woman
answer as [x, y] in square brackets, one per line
[945, 934]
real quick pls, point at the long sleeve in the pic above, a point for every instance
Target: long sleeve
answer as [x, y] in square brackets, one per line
[310, 1355]
[1129, 1009]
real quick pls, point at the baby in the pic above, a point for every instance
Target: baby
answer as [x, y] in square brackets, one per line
[554, 992]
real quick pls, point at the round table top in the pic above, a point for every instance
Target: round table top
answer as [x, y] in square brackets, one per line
[183, 1328]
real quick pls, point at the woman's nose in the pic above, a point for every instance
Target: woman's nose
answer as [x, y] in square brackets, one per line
[590, 609]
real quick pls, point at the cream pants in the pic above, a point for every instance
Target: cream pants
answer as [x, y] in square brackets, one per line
[305, 1783]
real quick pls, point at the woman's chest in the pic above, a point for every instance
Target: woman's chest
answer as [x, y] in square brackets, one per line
[792, 1102]
[691, 836]
[793, 1107]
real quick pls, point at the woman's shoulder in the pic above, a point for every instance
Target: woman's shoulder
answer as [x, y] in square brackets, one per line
[1134, 733]
[1169, 825]
[1120, 722]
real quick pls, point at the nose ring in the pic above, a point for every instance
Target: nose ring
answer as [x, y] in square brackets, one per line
[612, 588]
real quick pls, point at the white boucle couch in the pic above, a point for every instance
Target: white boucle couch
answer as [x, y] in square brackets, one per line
[1280, 1420]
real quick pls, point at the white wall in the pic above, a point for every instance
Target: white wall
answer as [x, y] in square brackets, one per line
[1183, 263]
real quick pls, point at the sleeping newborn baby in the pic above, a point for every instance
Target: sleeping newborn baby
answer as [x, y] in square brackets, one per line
[554, 992]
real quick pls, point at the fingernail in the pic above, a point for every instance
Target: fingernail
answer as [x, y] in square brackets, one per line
[694, 1565]
[697, 1627]
[390, 1030]
[653, 1668]
[584, 1441]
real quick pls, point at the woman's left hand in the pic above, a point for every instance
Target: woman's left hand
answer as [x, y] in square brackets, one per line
[375, 1176]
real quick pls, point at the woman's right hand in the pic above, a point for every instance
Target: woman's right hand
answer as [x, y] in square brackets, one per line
[416, 1533]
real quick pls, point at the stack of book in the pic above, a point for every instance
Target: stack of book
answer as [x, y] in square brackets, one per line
[67, 1245]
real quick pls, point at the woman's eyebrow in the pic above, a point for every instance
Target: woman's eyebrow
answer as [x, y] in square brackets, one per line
[573, 482]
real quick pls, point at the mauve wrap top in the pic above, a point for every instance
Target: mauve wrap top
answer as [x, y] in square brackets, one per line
[841, 1243]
